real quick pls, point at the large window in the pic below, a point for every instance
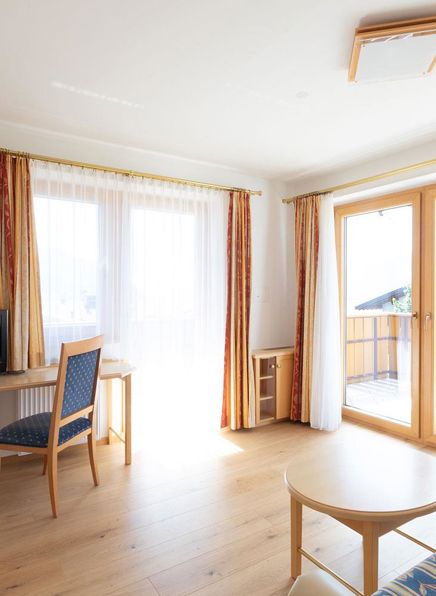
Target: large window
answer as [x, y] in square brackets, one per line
[143, 263]
[68, 246]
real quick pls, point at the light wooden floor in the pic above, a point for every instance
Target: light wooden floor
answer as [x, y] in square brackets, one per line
[204, 519]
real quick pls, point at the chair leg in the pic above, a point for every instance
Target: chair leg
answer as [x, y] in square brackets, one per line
[53, 481]
[92, 448]
[44, 470]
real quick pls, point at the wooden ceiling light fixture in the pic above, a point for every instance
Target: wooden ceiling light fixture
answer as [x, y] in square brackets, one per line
[392, 51]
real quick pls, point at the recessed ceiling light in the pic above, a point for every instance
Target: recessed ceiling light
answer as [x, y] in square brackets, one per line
[393, 51]
[302, 95]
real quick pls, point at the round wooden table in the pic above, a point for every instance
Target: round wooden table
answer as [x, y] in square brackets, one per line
[371, 488]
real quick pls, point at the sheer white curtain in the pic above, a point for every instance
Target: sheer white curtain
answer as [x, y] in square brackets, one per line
[325, 404]
[173, 300]
[143, 262]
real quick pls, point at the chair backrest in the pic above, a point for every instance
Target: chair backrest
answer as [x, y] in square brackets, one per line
[76, 384]
[80, 382]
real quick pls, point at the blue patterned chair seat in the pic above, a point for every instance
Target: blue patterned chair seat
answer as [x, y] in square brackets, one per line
[33, 431]
[420, 580]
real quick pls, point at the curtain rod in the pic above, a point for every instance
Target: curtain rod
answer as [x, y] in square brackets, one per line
[133, 173]
[360, 181]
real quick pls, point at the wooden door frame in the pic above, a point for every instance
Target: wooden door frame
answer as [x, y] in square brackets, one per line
[410, 197]
[428, 264]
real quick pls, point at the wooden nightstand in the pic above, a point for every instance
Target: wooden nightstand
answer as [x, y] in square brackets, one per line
[272, 379]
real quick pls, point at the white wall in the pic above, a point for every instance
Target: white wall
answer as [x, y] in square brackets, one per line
[272, 320]
[273, 308]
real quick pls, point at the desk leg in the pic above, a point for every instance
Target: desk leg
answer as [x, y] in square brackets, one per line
[296, 537]
[370, 533]
[128, 419]
[109, 410]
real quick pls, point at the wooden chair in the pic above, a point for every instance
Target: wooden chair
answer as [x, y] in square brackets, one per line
[73, 415]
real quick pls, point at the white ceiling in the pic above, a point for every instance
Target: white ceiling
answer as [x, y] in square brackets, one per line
[257, 85]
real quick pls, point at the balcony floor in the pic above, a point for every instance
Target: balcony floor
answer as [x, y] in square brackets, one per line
[384, 397]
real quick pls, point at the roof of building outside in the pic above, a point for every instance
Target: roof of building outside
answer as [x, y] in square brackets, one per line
[378, 301]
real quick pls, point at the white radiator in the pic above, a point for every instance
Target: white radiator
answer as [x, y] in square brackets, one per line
[35, 401]
[40, 399]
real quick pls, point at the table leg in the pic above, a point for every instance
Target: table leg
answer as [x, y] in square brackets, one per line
[370, 533]
[128, 419]
[296, 536]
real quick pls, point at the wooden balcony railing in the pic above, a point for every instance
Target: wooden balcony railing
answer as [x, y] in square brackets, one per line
[372, 342]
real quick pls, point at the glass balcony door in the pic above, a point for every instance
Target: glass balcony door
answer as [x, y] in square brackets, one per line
[379, 258]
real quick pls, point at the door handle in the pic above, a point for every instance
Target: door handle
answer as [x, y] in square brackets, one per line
[427, 319]
[415, 314]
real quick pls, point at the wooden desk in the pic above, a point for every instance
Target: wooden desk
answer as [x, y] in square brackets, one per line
[46, 377]
[371, 489]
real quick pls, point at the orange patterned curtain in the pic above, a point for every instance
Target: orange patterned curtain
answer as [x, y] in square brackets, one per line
[306, 258]
[236, 394]
[19, 276]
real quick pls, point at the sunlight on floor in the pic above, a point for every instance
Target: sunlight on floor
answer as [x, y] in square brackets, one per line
[179, 426]
[185, 443]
